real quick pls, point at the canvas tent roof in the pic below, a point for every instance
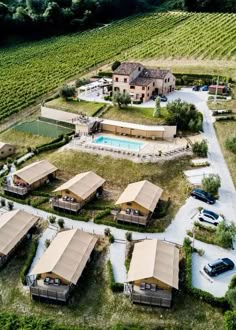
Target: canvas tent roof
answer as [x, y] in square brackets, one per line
[67, 255]
[3, 144]
[144, 193]
[14, 225]
[155, 258]
[35, 171]
[83, 184]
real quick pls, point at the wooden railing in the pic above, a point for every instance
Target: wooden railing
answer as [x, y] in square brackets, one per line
[15, 189]
[66, 205]
[155, 299]
[140, 220]
[57, 295]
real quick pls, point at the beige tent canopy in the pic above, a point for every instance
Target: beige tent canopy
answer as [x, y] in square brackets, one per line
[83, 184]
[14, 225]
[67, 255]
[36, 171]
[155, 258]
[144, 193]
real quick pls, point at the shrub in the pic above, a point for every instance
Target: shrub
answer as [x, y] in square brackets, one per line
[38, 201]
[3, 202]
[115, 287]
[111, 238]
[200, 149]
[128, 236]
[81, 82]
[230, 144]
[107, 98]
[230, 320]
[61, 223]
[10, 205]
[115, 65]
[225, 234]
[47, 242]
[211, 184]
[29, 258]
[231, 297]
[122, 100]
[102, 214]
[107, 231]
[67, 91]
[232, 283]
[52, 219]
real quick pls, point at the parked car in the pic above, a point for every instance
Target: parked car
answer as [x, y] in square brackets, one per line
[196, 88]
[205, 88]
[203, 196]
[219, 266]
[209, 216]
[163, 98]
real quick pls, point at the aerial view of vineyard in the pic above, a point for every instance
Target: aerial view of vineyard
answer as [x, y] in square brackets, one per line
[32, 69]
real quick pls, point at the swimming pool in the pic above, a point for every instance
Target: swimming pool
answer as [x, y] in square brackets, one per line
[119, 143]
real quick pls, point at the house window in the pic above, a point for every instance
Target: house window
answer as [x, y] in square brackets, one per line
[143, 88]
[168, 79]
[132, 87]
[139, 69]
[147, 94]
[129, 204]
[124, 90]
[117, 79]
[125, 80]
[165, 80]
[137, 96]
[153, 84]
[2, 152]
[148, 88]
[142, 96]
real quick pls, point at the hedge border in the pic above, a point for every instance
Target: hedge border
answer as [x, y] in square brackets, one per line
[114, 286]
[28, 261]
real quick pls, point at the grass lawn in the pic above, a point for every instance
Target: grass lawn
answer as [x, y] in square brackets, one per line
[94, 306]
[89, 108]
[136, 115]
[224, 130]
[22, 140]
[42, 128]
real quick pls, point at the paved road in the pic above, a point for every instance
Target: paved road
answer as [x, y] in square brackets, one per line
[184, 218]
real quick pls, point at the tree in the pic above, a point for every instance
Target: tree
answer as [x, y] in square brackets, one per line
[111, 238]
[122, 100]
[61, 223]
[10, 206]
[157, 110]
[52, 219]
[115, 65]
[67, 91]
[107, 232]
[81, 82]
[211, 184]
[36, 6]
[128, 236]
[225, 234]
[230, 144]
[231, 297]
[200, 149]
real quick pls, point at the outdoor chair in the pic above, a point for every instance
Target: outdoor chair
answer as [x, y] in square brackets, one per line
[47, 280]
[153, 287]
[56, 282]
[148, 286]
[136, 212]
[128, 211]
[142, 286]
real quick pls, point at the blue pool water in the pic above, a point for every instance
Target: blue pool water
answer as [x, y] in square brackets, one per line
[119, 143]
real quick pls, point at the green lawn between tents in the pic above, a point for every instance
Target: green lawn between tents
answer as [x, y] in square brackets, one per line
[42, 128]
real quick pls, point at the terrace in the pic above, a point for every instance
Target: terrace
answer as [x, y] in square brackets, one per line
[69, 204]
[50, 291]
[137, 219]
[149, 295]
[15, 189]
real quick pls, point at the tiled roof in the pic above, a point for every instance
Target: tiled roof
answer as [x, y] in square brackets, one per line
[153, 73]
[141, 81]
[126, 68]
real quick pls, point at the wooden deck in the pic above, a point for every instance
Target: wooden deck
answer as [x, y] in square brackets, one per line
[161, 298]
[131, 218]
[21, 191]
[56, 293]
[66, 205]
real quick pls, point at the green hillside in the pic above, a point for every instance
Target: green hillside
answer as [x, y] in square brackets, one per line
[29, 70]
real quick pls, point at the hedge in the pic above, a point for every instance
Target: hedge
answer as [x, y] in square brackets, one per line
[63, 214]
[99, 109]
[28, 261]
[115, 287]
[230, 320]
[198, 293]
[40, 200]
[225, 118]
[51, 146]
[102, 214]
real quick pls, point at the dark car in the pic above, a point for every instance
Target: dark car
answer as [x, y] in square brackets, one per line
[196, 88]
[219, 266]
[163, 98]
[203, 196]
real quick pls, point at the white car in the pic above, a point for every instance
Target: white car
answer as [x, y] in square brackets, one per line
[209, 216]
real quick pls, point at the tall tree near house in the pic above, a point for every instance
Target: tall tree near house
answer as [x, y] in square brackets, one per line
[157, 109]
[67, 92]
[122, 100]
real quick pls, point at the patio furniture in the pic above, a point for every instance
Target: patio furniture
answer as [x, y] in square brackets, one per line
[47, 280]
[128, 211]
[147, 286]
[136, 212]
[142, 286]
[56, 282]
[153, 287]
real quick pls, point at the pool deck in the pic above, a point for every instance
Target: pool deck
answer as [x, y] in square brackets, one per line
[150, 152]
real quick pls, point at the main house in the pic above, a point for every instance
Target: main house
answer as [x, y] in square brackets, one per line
[138, 202]
[142, 83]
[14, 226]
[30, 177]
[78, 191]
[153, 273]
[58, 270]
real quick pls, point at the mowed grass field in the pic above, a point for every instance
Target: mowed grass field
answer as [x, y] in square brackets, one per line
[42, 128]
[31, 69]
